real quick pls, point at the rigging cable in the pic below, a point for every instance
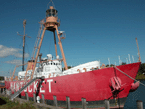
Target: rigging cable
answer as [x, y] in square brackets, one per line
[129, 76]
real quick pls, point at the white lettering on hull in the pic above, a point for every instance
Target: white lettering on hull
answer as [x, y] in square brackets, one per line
[41, 89]
[35, 86]
[21, 84]
[50, 80]
[29, 90]
[16, 86]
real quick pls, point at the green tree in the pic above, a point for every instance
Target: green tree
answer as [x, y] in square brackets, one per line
[123, 63]
[142, 68]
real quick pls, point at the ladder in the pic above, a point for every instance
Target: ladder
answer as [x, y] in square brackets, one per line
[23, 88]
[36, 43]
[38, 39]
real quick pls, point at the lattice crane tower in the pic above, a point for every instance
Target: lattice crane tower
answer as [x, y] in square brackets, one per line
[52, 25]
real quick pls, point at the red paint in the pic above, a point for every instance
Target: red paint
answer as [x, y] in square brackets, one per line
[92, 85]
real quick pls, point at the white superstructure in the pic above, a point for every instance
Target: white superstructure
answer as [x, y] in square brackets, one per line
[51, 68]
[83, 67]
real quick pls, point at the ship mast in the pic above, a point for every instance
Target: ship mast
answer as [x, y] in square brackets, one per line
[138, 50]
[51, 24]
[24, 24]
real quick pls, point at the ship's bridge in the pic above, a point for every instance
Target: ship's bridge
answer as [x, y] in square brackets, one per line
[51, 67]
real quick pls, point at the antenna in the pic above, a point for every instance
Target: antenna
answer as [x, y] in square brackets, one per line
[138, 50]
[51, 3]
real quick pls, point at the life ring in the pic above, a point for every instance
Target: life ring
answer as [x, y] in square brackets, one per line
[79, 70]
[85, 69]
[53, 74]
[103, 65]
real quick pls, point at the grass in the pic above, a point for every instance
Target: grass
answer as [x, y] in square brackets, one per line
[140, 77]
[5, 103]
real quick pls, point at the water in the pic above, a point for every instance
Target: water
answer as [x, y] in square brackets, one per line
[139, 94]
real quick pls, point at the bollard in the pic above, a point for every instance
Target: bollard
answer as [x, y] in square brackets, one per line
[34, 97]
[107, 105]
[3, 91]
[55, 101]
[38, 99]
[68, 102]
[139, 104]
[84, 105]
[43, 100]
[27, 97]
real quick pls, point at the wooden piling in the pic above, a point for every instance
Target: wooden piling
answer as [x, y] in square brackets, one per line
[27, 97]
[107, 105]
[55, 101]
[43, 99]
[68, 102]
[34, 97]
[84, 105]
[139, 104]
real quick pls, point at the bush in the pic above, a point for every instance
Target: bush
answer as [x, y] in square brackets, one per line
[15, 104]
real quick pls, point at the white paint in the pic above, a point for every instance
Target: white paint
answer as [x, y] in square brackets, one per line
[129, 58]
[109, 61]
[25, 90]
[35, 86]
[50, 80]
[29, 90]
[14, 86]
[41, 89]
[132, 58]
[17, 86]
[38, 99]
[21, 84]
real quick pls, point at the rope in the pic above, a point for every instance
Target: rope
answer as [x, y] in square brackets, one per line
[128, 76]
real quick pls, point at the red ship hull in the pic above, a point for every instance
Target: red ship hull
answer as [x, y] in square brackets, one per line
[95, 86]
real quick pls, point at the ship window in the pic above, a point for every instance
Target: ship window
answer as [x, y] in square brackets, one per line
[51, 63]
[56, 63]
[51, 12]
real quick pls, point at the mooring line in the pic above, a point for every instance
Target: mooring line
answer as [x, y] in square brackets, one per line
[129, 76]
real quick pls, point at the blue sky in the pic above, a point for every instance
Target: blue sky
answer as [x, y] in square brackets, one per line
[95, 30]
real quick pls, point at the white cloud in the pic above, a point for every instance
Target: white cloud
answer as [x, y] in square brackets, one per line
[7, 51]
[15, 62]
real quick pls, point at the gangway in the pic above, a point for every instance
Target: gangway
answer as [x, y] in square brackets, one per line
[23, 88]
